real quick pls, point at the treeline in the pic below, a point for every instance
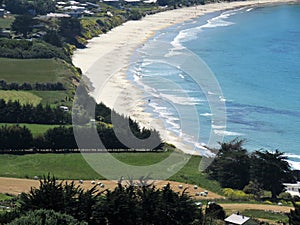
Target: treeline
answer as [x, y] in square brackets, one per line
[15, 112]
[25, 49]
[15, 138]
[234, 167]
[35, 7]
[58, 86]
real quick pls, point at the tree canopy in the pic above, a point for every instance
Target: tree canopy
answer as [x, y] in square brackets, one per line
[231, 165]
[235, 168]
[271, 170]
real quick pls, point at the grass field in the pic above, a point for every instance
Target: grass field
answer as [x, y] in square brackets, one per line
[35, 70]
[268, 215]
[54, 97]
[73, 166]
[6, 22]
[22, 96]
[42, 71]
[35, 129]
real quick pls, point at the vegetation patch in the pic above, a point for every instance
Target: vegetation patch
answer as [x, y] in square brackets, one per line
[54, 98]
[5, 197]
[5, 23]
[266, 214]
[23, 97]
[36, 129]
[73, 166]
[35, 70]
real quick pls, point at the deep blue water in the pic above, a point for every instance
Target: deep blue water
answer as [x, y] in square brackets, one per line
[254, 55]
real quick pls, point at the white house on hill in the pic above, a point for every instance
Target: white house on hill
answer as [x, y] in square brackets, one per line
[293, 189]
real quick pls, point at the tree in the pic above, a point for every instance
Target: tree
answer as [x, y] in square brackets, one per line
[294, 215]
[254, 188]
[215, 211]
[231, 165]
[271, 170]
[23, 24]
[45, 217]
[61, 197]
[43, 7]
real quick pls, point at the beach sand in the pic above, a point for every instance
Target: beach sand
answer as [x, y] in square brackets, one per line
[107, 57]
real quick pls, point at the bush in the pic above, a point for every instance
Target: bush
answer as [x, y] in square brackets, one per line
[236, 194]
[46, 217]
[285, 196]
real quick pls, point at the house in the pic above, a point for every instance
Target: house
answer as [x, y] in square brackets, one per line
[75, 11]
[1, 13]
[238, 219]
[293, 188]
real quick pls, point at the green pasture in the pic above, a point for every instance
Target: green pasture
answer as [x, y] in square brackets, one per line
[5, 23]
[73, 166]
[54, 97]
[23, 97]
[35, 70]
[36, 129]
[268, 215]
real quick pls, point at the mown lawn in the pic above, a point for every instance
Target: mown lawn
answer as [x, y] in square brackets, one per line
[23, 97]
[73, 166]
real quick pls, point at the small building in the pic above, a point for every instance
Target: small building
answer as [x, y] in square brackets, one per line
[5, 33]
[150, 1]
[293, 188]
[132, 2]
[64, 108]
[238, 219]
[2, 13]
[54, 15]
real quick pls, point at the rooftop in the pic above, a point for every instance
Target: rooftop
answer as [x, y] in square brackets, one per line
[237, 219]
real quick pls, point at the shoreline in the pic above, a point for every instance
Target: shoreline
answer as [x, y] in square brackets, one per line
[107, 57]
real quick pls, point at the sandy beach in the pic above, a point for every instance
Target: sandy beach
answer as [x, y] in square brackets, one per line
[107, 57]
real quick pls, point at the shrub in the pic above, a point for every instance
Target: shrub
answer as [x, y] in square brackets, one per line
[46, 217]
[236, 194]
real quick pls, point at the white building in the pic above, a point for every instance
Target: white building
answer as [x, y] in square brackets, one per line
[293, 189]
[1, 13]
[237, 219]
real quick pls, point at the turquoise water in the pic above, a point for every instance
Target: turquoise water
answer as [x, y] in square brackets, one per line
[254, 55]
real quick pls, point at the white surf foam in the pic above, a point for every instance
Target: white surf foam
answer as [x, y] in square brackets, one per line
[192, 33]
[227, 133]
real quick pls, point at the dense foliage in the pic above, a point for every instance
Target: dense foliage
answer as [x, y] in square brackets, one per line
[14, 112]
[58, 86]
[294, 215]
[61, 139]
[46, 217]
[124, 205]
[271, 170]
[234, 168]
[34, 7]
[25, 49]
[231, 167]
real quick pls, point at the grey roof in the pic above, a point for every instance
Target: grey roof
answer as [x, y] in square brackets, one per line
[237, 219]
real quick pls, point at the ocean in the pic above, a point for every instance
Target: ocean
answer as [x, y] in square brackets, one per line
[243, 63]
